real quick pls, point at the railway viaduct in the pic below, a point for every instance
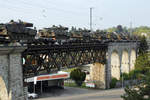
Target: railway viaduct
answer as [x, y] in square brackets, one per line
[121, 59]
[119, 56]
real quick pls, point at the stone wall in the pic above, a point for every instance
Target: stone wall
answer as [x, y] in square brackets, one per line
[115, 65]
[4, 95]
[11, 70]
[15, 76]
[97, 75]
[4, 68]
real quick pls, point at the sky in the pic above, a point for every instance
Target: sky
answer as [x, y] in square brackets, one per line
[106, 13]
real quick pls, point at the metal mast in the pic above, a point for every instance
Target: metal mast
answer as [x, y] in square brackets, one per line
[91, 19]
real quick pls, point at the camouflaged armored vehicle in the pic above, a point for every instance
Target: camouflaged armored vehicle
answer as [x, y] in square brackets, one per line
[17, 31]
[58, 32]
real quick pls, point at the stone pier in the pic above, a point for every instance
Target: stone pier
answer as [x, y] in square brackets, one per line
[97, 72]
[11, 70]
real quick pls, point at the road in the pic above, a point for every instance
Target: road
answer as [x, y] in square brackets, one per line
[83, 94]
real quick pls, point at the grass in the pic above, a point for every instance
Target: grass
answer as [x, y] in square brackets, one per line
[74, 85]
[70, 84]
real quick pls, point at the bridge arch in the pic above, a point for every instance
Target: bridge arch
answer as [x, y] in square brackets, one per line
[3, 91]
[115, 65]
[125, 61]
[132, 59]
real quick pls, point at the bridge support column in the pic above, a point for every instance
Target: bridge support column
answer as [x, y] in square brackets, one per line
[129, 55]
[11, 70]
[98, 75]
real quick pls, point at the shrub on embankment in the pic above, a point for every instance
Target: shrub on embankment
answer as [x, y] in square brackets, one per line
[78, 76]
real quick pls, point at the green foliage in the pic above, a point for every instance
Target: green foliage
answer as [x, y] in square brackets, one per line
[113, 82]
[75, 85]
[134, 74]
[143, 47]
[118, 29]
[141, 29]
[69, 70]
[143, 63]
[142, 72]
[78, 76]
[131, 94]
[113, 29]
[136, 31]
[125, 76]
[139, 92]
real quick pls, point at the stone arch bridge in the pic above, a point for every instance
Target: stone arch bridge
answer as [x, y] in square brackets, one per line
[121, 58]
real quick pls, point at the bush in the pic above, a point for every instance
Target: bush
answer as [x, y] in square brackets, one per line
[113, 82]
[143, 63]
[140, 91]
[143, 47]
[134, 74]
[125, 76]
[78, 76]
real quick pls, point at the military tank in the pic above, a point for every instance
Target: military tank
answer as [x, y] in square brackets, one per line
[57, 32]
[16, 31]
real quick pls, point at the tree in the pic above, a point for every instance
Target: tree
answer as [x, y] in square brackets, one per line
[113, 82]
[141, 29]
[135, 74]
[142, 90]
[119, 29]
[143, 47]
[78, 76]
[139, 92]
[110, 30]
[142, 63]
[125, 76]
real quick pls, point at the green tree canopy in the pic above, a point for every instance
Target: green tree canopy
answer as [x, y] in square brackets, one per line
[143, 63]
[143, 47]
[78, 76]
[141, 29]
[140, 91]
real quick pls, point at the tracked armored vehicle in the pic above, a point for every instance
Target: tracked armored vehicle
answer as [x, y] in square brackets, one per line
[16, 31]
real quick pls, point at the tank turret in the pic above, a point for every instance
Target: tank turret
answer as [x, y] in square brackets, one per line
[58, 32]
[17, 31]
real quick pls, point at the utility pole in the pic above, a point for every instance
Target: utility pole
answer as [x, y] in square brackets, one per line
[130, 28]
[91, 18]
[122, 76]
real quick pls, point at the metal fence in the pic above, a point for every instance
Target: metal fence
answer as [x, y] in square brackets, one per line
[127, 83]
